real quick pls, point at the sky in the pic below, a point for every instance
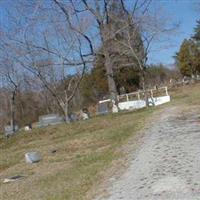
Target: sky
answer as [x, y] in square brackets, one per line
[185, 12]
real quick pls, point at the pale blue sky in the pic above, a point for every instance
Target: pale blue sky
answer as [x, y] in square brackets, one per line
[185, 12]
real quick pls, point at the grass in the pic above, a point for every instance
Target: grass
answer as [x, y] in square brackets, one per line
[85, 150]
[185, 96]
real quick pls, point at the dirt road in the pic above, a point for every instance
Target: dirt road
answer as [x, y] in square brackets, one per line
[167, 166]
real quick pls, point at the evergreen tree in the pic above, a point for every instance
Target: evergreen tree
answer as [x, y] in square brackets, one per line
[188, 58]
[196, 35]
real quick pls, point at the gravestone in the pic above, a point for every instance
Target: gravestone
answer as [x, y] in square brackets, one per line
[32, 157]
[8, 130]
[85, 114]
[73, 117]
[103, 108]
[51, 119]
[13, 178]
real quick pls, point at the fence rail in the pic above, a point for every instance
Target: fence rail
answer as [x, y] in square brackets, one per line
[136, 100]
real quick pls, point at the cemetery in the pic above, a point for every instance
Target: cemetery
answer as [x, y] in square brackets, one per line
[58, 153]
[127, 102]
[99, 99]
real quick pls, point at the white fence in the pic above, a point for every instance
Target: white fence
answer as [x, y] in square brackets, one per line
[136, 100]
[129, 105]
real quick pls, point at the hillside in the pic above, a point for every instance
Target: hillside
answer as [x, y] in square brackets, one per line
[84, 152]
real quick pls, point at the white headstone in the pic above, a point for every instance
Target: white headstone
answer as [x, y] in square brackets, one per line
[32, 157]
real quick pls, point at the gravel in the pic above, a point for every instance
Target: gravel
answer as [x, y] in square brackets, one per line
[167, 165]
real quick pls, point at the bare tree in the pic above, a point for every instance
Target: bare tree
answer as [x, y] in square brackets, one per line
[104, 16]
[137, 25]
[65, 36]
[12, 78]
[50, 51]
[142, 31]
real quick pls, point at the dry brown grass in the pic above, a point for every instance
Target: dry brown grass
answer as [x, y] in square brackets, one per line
[84, 151]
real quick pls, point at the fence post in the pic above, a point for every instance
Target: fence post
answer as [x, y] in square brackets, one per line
[166, 91]
[152, 93]
[127, 99]
[138, 95]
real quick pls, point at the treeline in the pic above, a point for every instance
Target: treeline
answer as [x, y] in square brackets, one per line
[35, 100]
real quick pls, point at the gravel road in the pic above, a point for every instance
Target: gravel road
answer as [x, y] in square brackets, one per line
[167, 165]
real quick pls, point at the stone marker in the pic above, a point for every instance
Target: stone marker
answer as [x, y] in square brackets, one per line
[85, 114]
[32, 157]
[103, 108]
[8, 130]
[73, 117]
[46, 120]
[13, 178]
[27, 128]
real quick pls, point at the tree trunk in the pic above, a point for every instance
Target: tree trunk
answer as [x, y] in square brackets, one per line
[66, 113]
[143, 81]
[111, 82]
[104, 32]
[13, 111]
